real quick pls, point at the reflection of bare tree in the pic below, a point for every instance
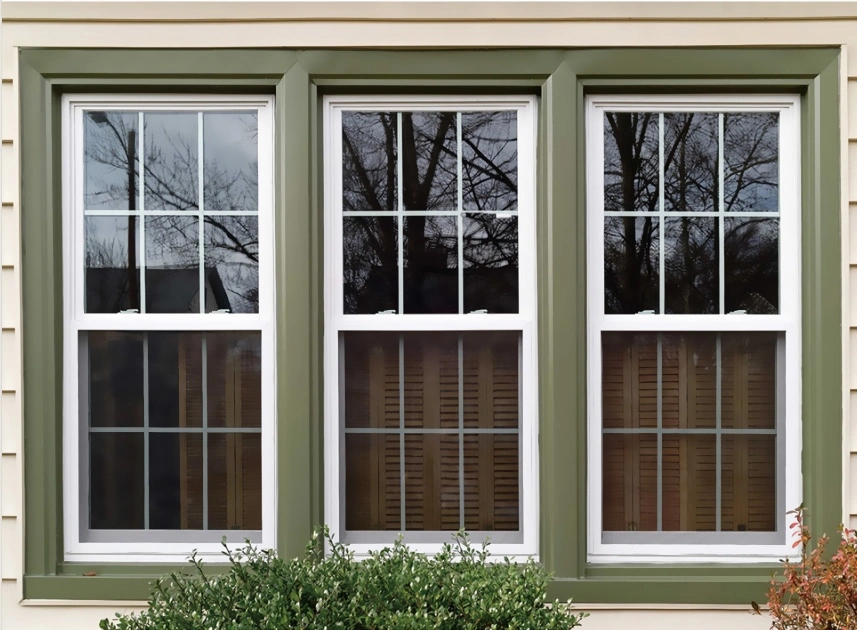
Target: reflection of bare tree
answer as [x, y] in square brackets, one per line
[170, 182]
[691, 184]
[429, 164]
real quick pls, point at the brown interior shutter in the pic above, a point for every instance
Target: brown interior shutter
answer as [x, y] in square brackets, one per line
[430, 392]
[688, 381]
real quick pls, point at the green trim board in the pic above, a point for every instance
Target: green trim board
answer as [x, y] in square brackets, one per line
[561, 79]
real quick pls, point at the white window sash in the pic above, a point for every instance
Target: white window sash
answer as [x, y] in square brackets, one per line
[523, 321]
[157, 545]
[699, 546]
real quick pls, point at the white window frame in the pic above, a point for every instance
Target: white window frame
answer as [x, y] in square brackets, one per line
[335, 321]
[701, 546]
[176, 544]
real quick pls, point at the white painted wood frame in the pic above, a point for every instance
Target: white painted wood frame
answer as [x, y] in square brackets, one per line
[160, 545]
[686, 547]
[336, 322]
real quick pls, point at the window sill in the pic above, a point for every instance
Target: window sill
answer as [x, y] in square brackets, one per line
[102, 581]
[740, 586]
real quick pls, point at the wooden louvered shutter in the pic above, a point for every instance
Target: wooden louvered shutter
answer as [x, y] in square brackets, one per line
[491, 401]
[430, 392]
[630, 460]
[749, 461]
[190, 415]
[234, 459]
[431, 459]
[688, 392]
[372, 460]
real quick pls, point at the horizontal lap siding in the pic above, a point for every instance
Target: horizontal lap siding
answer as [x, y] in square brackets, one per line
[11, 482]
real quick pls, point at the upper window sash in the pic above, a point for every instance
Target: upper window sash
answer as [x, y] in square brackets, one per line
[642, 546]
[655, 312]
[198, 110]
[452, 208]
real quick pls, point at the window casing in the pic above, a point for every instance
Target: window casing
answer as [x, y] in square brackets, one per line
[168, 424]
[458, 361]
[694, 353]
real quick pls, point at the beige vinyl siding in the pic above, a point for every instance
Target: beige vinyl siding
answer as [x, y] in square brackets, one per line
[201, 25]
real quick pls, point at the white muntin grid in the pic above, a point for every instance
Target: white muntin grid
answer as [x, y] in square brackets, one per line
[525, 541]
[718, 546]
[80, 542]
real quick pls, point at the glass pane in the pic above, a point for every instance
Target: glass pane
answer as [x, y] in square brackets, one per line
[429, 162]
[231, 168]
[749, 380]
[113, 376]
[489, 160]
[373, 486]
[371, 264]
[491, 483]
[175, 379]
[689, 472]
[232, 263]
[371, 390]
[172, 161]
[491, 380]
[751, 156]
[432, 494]
[116, 496]
[110, 160]
[689, 380]
[629, 375]
[175, 481]
[630, 483]
[490, 258]
[431, 380]
[371, 383]
[631, 265]
[690, 162]
[234, 481]
[630, 162]
[369, 161]
[691, 265]
[112, 264]
[751, 253]
[234, 368]
[749, 483]
[431, 264]
[172, 265]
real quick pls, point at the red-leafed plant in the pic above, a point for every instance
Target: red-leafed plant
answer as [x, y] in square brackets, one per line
[819, 590]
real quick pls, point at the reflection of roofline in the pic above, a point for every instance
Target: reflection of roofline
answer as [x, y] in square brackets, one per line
[218, 290]
[212, 277]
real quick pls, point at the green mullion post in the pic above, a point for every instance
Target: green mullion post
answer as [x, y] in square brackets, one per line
[562, 329]
[293, 234]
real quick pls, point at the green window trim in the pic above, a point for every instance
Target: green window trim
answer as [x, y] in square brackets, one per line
[561, 79]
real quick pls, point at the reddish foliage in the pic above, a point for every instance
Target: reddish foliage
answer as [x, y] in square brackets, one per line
[818, 591]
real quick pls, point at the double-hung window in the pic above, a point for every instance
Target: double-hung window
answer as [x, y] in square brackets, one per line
[168, 306]
[430, 379]
[694, 326]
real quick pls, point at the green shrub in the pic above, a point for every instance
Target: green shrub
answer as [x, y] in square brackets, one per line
[393, 589]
